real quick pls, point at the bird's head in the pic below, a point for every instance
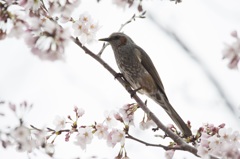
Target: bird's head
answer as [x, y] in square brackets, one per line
[117, 39]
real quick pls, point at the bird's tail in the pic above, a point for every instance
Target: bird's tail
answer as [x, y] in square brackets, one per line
[162, 100]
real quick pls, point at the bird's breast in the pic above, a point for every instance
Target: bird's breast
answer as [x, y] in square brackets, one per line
[134, 72]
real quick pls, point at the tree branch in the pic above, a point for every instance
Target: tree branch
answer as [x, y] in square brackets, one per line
[184, 146]
[155, 145]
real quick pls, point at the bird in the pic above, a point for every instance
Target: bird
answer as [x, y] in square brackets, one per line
[139, 71]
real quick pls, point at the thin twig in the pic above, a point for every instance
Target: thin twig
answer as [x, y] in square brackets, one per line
[133, 18]
[177, 147]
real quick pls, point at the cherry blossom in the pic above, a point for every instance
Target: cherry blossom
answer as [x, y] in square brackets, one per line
[59, 122]
[110, 119]
[21, 134]
[85, 28]
[116, 136]
[79, 111]
[219, 142]
[84, 137]
[127, 112]
[101, 131]
[169, 154]
[33, 5]
[120, 3]
[22, 137]
[49, 44]
[232, 51]
[146, 124]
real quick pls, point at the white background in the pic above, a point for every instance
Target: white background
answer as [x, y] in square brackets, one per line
[56, 87]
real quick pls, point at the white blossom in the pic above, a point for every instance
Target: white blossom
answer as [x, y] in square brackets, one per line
[84, 137]
[102, 131]
[110, 119]
[59, 122]
[85, 28]
[116, 136]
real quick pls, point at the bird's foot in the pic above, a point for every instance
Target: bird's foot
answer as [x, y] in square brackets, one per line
[118, 75]
[133, 92]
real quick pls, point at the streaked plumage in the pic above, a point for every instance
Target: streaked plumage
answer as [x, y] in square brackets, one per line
[138, 69]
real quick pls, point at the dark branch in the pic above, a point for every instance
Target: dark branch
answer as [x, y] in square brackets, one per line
[156, 145]
[171, 134]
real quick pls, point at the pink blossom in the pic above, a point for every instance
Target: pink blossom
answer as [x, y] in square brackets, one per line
[110, 119]
[225, 134]
[85, 28]
[64, 8]
[59, 122]
[203, 152]
[84, 137]
[116, 136]
[50, 43]
[79, 111]
[120, 3]
[101, 131]
[127, 112]
[33, 5]
[22, 136]
[146, 124]
[232, 51]
[169, 154]
[219, 142]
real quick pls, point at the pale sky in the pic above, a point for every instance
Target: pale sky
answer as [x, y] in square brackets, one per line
[56, 87]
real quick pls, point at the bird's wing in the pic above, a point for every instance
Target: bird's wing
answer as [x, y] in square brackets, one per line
[148, 65]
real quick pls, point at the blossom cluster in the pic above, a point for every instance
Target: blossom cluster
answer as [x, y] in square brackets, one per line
[218, 142]
[124, 3]
[40, 23]
[86, 28]
[21, 136]
[232, 51]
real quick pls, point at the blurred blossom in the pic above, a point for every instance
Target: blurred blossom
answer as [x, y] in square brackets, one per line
[21, 134]
[79, 111]
[50, 43]
[84, 137]
[33, 5]
[110, 119]
[224, 143]
[169, 154]
[85, 28]
[225, 134]
[146, 124]
[116, 136]
[101, 131]
[62, 7]
[12, 20]
[127, 112]
[120, 3]
[232, 51]
[49, 149]
[59, 122]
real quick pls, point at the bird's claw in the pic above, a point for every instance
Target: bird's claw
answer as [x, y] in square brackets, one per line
[118, 75]
[133, 92]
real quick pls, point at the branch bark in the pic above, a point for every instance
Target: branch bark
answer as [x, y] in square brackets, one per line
[182, 144]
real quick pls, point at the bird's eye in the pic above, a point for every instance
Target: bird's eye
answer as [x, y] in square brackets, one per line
[117, 37]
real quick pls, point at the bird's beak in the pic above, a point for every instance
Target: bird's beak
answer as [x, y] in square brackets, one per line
[105, 39]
